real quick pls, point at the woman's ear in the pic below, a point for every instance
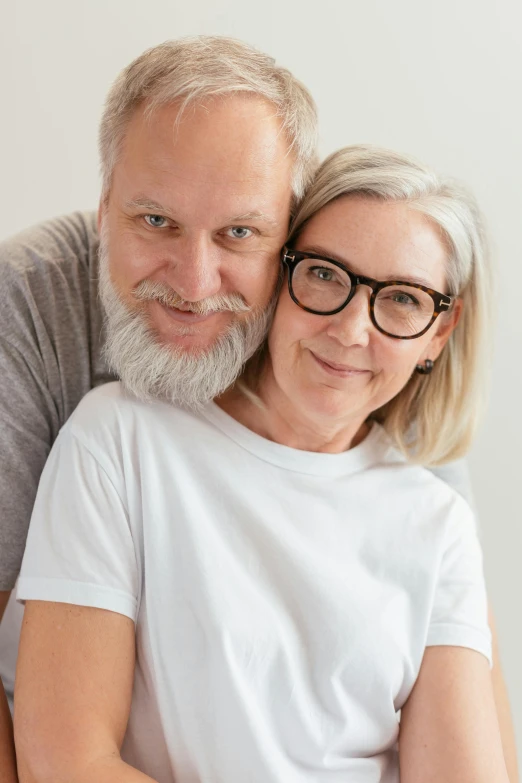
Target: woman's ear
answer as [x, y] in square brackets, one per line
[446, 324]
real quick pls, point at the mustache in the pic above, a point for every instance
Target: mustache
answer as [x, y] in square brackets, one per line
[149, 290]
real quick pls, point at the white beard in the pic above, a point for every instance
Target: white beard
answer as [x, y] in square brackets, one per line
[152, 371]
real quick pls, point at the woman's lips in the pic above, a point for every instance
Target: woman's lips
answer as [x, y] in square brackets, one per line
[339, 370]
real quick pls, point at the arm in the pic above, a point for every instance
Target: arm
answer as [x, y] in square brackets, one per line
[456, 474]
[73, 694]
[449, 729]
[7, 755]
[49, 359]
[502, 706]
[24, 445]
[44, 348]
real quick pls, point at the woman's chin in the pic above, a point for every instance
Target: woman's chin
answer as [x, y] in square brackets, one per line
[333, 404]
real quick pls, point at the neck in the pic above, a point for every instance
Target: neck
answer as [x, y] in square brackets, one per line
[273, 416]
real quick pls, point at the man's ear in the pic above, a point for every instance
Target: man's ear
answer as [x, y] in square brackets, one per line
[102, 208]
[445, 326]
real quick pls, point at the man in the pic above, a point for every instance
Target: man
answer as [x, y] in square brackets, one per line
[205, 146]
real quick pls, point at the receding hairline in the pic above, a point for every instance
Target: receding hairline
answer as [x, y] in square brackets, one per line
[197, 70]
[145, 110]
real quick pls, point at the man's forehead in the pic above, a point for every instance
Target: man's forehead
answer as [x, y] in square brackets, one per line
[205, 171]
[211, 145]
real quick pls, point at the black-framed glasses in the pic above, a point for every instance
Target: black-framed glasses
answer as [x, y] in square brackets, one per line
[398, 309]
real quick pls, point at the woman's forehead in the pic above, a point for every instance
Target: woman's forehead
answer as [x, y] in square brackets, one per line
[380, 239]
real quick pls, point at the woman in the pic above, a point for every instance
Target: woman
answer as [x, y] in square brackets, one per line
[290, 579]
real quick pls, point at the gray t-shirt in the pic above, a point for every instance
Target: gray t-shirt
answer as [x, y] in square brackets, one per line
[50, 339]
[50, 357]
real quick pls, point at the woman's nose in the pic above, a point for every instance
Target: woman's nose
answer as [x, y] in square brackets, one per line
[352, 326]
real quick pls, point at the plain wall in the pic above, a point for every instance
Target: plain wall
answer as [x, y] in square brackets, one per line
[441, 80]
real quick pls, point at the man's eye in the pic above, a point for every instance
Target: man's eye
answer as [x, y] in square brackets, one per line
[240, 232]
[155, 221]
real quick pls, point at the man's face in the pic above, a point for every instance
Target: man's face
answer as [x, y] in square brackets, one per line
[198, 210]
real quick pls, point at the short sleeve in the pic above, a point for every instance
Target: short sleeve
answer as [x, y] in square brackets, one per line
[80, 548]
[460, 612]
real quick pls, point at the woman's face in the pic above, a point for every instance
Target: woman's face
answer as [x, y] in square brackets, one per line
[340, 365]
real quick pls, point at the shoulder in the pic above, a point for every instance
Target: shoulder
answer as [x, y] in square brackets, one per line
[427, 497]
[131, 437]
[457, 475]
[109, 414]
[46, 276]
[101, 410]
[62, 239]
[101, 425]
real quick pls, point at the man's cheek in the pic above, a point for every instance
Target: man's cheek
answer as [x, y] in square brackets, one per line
[133, 267]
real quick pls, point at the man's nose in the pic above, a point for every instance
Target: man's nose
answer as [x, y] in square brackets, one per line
[194, 270]
[352, 326]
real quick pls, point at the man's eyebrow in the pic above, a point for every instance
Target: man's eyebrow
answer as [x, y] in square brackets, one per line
[320, 251]
[248, 216]
[147, 203]
[154, 206]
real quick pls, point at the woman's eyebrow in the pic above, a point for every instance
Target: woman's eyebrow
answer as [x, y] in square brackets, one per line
[320, 251]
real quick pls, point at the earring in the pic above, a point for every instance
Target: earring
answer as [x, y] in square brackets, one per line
[426, 368]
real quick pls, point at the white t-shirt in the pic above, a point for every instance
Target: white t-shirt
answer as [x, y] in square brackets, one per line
[283, 599]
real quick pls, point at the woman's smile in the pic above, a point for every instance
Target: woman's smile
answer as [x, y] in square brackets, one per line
[340, 370]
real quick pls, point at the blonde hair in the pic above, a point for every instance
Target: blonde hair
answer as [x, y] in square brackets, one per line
[432, 419]
[190, 69]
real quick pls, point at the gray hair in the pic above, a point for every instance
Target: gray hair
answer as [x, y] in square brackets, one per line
[191, 69]
[432, 419]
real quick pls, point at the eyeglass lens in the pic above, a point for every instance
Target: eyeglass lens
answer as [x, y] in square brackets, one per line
[402, 311]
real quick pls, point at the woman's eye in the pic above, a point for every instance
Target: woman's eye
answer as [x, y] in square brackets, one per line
[155, 221]
[240, 232]
[402, 298]
[322, 273]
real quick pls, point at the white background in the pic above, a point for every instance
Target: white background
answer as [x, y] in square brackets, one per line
[442, 80]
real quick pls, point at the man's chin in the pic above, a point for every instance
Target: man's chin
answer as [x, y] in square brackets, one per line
[172, 359]
[187, 345]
